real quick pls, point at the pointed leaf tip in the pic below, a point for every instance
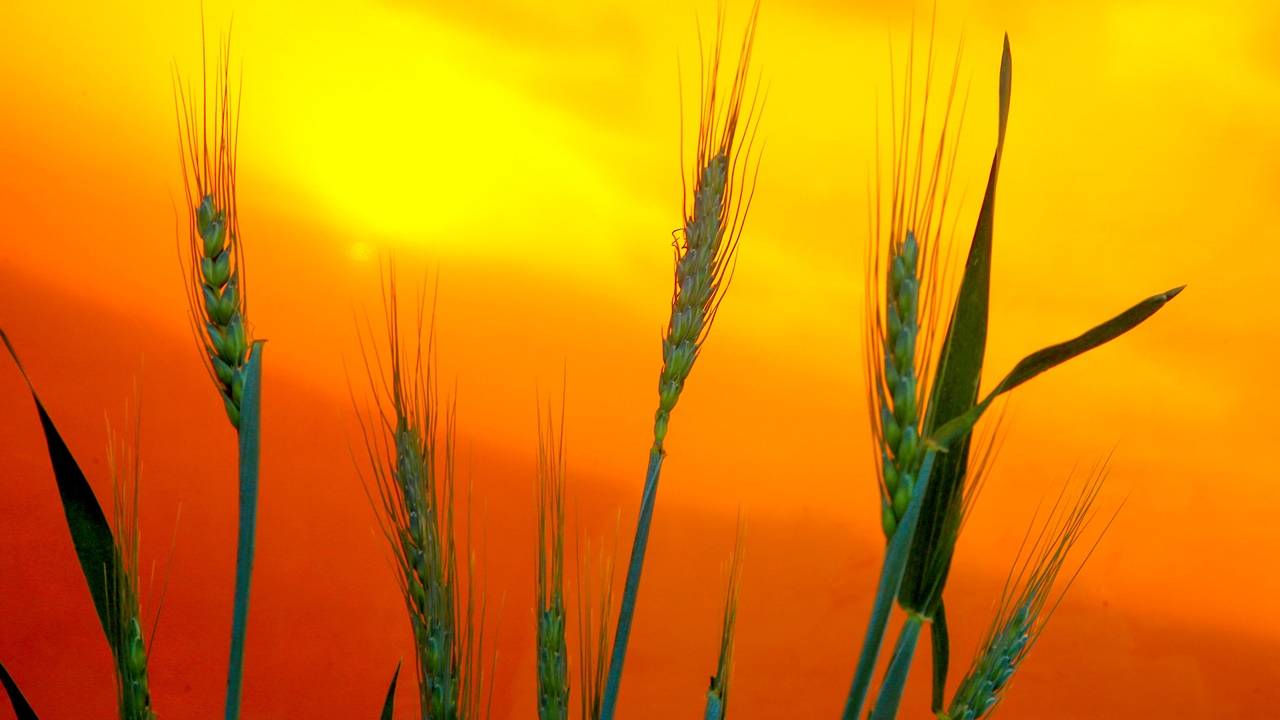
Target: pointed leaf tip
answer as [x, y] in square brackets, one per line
[389, 705]
[21, 708]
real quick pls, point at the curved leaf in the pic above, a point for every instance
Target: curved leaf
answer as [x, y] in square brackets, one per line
[90, 533]
[1052, 356]
[21, 708]
[389, 705]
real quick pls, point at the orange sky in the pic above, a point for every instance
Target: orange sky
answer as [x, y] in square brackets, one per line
[528, 151]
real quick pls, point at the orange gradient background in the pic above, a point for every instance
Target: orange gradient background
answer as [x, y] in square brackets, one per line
[527, 152]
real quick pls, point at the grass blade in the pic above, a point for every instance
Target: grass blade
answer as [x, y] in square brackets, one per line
[891, 573]
[90, 533]
[21, 708]
[941, 657]
[250, 432]
[1054, 355]
[895, 678]
[955, 388]
[389, 705]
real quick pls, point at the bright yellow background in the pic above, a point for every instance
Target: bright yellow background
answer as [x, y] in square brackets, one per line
[528, 152]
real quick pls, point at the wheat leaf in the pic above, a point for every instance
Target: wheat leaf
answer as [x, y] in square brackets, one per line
[21, 708]
[941, 656]
[1052, 356]
[90, 533]
[389, 705]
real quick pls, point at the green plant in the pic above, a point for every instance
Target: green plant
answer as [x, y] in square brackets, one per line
[922, 544]
[713, 219]
[217, 301]
[553, 653]
[718, 692]
[595, 607]
[125, 464]
[410, 449]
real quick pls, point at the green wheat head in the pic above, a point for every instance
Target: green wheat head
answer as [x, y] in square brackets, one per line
[214, 256]
[1026, 603]
[552, 653]
[128, 645]
[409, 440]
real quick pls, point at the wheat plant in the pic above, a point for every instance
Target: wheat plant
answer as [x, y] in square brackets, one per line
[129, 646]
[409, 442]
[213, 265]
[553, 653]
[713, 221]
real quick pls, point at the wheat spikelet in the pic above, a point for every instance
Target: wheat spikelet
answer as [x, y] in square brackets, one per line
[213, 258]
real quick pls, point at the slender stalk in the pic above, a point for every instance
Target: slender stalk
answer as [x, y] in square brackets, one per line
[891, 572]
[632, 587]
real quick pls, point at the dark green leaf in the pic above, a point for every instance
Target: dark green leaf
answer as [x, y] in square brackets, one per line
[895, 678]
[21, 708]
[389, 705]
[891, 573]
[90, 533]
[1052, 356]
[955, 387]
[250, 432]
[941, 657]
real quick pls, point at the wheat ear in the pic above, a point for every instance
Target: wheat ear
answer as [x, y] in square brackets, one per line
[1026, 603]
[718, 692]
[213, 258]
[129, 646]
[409, 440]
[552, 656]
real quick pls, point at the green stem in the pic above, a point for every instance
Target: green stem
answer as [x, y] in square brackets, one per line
[628, 607]
[895, 678]
[891, 572]
[249, 431]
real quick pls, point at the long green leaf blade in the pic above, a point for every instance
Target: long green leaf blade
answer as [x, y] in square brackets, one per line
[895, 678]
[389, 705]
[941, 643]
[1054, 355]
[21, 708]
[250, 432]
[891, 573]
[90, 533]
[959, 370]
